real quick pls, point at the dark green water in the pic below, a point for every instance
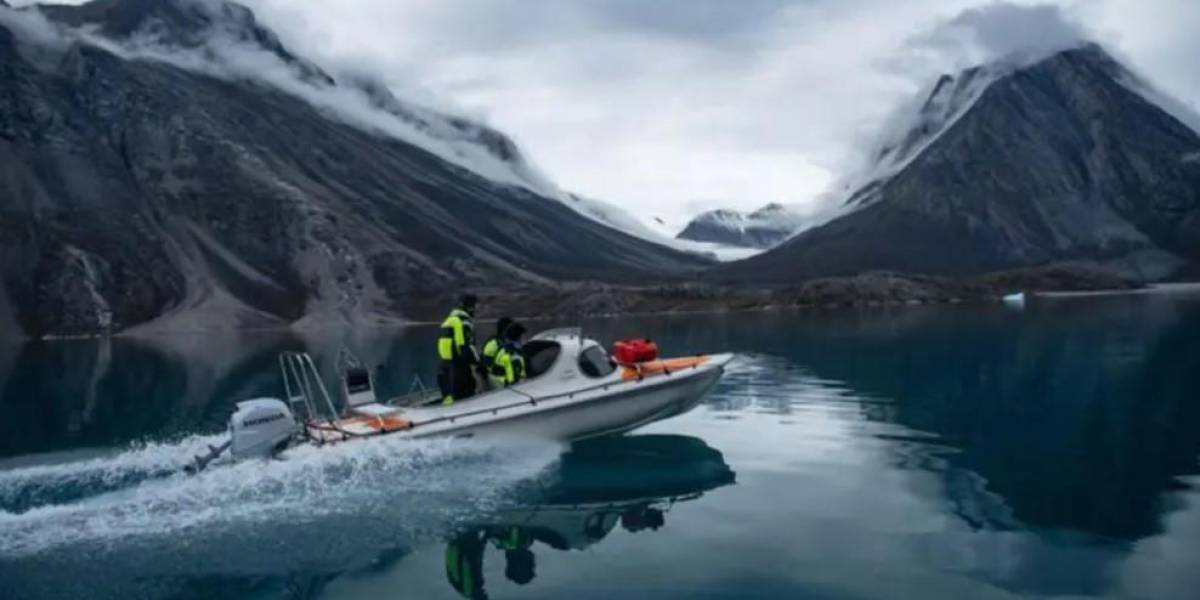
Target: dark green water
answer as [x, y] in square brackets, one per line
[948, 453]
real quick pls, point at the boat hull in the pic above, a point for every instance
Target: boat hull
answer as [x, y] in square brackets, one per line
[583, 417]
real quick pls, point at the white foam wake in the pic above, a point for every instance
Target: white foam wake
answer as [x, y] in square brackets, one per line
[50, 479]
[403, 483]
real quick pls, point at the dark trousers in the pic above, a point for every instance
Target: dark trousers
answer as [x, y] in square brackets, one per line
[456, 379]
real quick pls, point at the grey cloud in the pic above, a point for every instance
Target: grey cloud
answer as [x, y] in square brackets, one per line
[511, 27]
[691, 19]
[697, 21]
[662, 102]
[1004, 29]
[653, 104]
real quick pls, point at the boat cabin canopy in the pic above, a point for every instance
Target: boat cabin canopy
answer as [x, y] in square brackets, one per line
[568, 353]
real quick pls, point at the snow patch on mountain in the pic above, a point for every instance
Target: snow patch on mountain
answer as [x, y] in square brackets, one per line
[785, 217]
[724, 219]
[762, 229]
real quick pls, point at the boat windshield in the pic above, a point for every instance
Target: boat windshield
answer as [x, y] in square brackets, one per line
[540, 355]
[594, 362]
[357, 380]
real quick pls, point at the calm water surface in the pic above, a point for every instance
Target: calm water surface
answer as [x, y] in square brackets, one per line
[948, 453]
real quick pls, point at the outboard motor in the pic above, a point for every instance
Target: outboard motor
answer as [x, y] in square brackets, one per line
[260, 427]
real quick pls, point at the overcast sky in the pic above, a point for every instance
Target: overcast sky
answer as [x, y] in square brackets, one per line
[666, 107]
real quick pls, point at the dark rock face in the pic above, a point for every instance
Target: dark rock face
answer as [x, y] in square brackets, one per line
[1058, 277]
[134, 190]
[1056, 161]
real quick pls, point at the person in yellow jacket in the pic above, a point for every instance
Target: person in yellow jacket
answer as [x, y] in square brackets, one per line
[456, 349]
[492, 347]
[509, 366]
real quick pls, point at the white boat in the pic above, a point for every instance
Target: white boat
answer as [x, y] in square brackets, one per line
[574, 391]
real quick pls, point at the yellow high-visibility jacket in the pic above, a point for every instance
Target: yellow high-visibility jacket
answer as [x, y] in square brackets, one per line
[509, 366]
[457, 339]
[490, 348]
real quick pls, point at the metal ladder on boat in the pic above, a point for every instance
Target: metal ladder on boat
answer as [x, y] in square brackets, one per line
[307, 394]
[304, 388]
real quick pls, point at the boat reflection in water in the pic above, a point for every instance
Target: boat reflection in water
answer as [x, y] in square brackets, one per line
[631, 481]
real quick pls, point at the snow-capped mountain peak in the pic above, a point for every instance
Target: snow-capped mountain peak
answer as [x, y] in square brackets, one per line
[933, 111]
[916, 125]
[1016, 164]
[657, 231]
[762, 228]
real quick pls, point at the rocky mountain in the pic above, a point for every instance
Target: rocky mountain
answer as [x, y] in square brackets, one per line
[1017, 164]
[169, 163]
[762, 228]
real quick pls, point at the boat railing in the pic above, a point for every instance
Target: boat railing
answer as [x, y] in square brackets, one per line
[418, 385]
[304, 388]
[418, 395]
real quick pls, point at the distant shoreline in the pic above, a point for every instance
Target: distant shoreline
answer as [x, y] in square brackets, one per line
[770, 302]
[1149, 290]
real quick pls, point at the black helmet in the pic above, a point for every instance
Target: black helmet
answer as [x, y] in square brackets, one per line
[514, 331]
[655, 518]
[519, 566]
[468, 301]
[502, 325]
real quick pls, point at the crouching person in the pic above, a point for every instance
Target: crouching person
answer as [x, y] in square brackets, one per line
[490, 349]
[509, 365]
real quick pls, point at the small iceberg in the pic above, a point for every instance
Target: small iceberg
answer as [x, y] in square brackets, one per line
[1016, 300]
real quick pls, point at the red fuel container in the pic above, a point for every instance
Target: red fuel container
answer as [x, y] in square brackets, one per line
[635, 351]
